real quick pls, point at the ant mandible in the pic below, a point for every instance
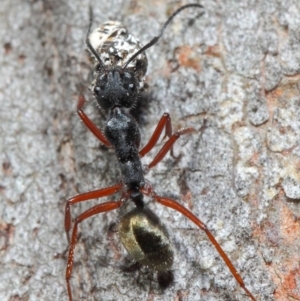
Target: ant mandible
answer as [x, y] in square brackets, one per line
[140, 230]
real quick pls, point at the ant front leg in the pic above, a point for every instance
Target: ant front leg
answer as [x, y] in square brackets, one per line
[86, 197]
[165, 122]
[169, 144]
[105, 207]
[89, 123]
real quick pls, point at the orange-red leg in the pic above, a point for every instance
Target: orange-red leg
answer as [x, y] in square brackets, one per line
[176, 206]
[165, 122]
[86, 197]
[108, 206]
[168, 145]
[89, 124]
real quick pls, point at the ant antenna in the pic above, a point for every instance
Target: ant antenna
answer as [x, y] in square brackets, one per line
[155, 39]
[88, 43]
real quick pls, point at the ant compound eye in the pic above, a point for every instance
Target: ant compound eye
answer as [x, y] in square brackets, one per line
[97, 90]
[129, 87]
[100, 84]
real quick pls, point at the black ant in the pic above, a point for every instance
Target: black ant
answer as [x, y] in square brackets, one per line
[141, 232]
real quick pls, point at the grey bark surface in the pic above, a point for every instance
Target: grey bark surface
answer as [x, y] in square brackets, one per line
[238, 66]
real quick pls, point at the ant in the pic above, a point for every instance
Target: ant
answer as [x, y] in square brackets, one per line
[141, 232]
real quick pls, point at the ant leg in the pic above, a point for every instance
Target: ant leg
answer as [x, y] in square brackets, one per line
[89, 124]
[168, 145]
[147, 190]
[85, 197]
[165, 122]
[108, 206]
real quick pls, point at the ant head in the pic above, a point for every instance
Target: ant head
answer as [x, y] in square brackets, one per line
[115, 88]
[118, 79]
[110, 46]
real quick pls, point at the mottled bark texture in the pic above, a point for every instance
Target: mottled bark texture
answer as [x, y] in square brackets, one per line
[237, 66]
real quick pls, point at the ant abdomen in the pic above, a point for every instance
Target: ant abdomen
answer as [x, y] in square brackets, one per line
[146, 239]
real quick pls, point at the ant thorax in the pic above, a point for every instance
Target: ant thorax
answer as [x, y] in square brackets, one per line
[115, 47]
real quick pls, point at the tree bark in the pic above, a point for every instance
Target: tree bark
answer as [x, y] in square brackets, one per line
[237, 67]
